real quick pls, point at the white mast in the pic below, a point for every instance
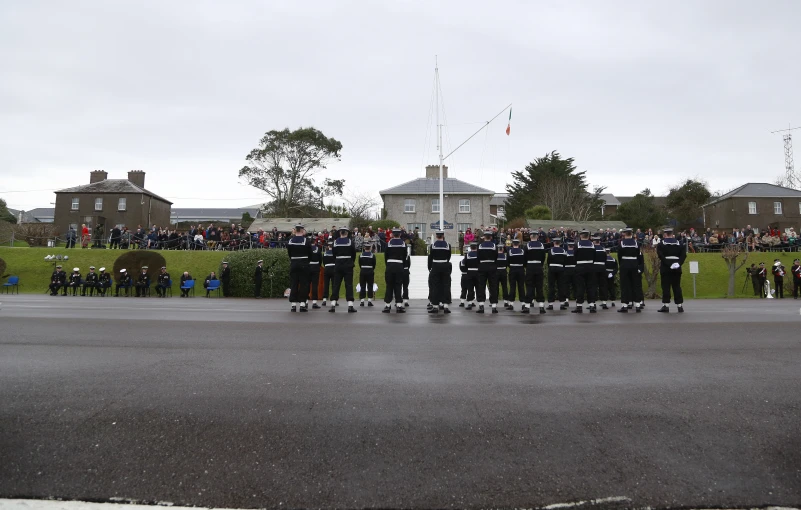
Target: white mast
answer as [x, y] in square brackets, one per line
[439, 148]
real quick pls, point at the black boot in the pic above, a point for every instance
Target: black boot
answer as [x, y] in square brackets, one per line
[664, 309]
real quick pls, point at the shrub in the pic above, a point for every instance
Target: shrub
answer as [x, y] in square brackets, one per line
[538, 212]
[134, 260]
[385, 224]
[275, 279]
[2, 269]
[419, 247]
[35, 234]
[516, 223]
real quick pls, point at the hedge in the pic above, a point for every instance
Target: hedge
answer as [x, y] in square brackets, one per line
[134, 260]
[275, 279]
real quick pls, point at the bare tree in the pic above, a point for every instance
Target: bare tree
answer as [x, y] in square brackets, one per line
[361, 205]
[567, 201]
[35, 234]
[651, 270]
[731, 252]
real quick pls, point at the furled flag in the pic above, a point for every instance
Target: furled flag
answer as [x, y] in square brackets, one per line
[509, 125]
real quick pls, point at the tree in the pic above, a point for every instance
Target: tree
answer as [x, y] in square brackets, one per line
[539, 212]
[284, 166]
[5, 214]
[684, 202]
[555, 183]
[361, 208]
[651, 270]
[641, 212]
[730, 253]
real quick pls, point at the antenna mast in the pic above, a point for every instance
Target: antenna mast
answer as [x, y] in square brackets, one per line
[790, 179]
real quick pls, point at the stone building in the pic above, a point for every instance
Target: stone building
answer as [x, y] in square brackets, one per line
[415, 204]
[760, 205]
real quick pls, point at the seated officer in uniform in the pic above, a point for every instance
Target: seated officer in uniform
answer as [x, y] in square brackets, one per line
[58, 280]
[163, 282]
[75, 281]
[143, 283]
[91, 282]
[104, 282]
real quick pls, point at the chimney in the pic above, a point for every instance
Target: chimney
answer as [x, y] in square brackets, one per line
[432, 172]
[137, 177]
[97, 176]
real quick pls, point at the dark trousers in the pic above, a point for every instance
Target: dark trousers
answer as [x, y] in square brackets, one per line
[630, 286]
[122, 287]
[585, 287]
[761, 286]
[115, 243]
[468, 287]
[487, 278]
[141, 289]
[328, 282]
[298, 283]
[343, 274]
[612, 287]
[90, 286]
[602, 286]
[226, 287]
[366, 280]
[796, 287]
[257, 287]
[535, 283]
[779, 284]
[502, 285]
[314, 282]
[74, 287]
[161, 289]
[54, 289]
[405, 290]
[671, 280]
[516, 287]
[556, 286]
[394, 286]
[569, 282]
[755, 284]
[439, 283]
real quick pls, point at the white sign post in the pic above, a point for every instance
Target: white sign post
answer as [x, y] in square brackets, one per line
[693, 271]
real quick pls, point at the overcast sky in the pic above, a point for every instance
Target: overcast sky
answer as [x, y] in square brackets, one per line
[641, 94]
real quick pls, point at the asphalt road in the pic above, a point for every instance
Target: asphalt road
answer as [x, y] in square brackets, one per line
[238, 403]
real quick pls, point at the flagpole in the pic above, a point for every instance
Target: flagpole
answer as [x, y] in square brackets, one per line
[439, 148]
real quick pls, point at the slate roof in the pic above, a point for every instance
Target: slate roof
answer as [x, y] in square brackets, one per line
[499, 199]
[287, 224]
[212, 214]
[423, 186]
[112, 186]
[592, 226]
[610, 199]
[658, 201]
[40, 215]
[759, 190]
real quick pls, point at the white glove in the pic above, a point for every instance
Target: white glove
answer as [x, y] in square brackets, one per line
[639, 271]
[674, 265]
[611, 275]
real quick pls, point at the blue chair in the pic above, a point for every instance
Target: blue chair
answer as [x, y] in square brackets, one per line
[11, 284]
[169, 287]
[188, 285]
[214, 286]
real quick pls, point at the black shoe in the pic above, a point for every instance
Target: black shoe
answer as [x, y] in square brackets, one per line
[612, 305]
[385, 310]
[563, 307]
[542, 310]
[480, 309]
[469, 307]
[400, 310]
[370, 303]
[361, 304]
[525, 310]
[664, 309]
[433, 309]
[351, 309]
[494, 309]
[446, 310]
[593, 310]
[292, 309]
[332, 309]
[681, 309]
[315, 306]
[304, 309]
[623, 310]
[605, 307]
[461, 305]
[550, 307]
[577, 310]
[429, 306]
[637, 309]
[642, 305]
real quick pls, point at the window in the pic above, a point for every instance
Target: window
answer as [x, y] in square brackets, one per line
[435, 205]
[421, 228]
[777, 207]
[463, 226]
[74, 226]
[76, 203]
[121, 204]
[464, 206]
[501, 209]
[752, 208]
[98, 204]
[408, 205]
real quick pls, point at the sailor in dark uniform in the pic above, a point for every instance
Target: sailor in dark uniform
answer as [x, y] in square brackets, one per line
[439, 274]
[585, 273]
[315, 259]
[58, 280]
[143, 283]
[329, 268]
[611, 272]
[407, 265]
[345, 254]
[469, 268]
[299, 249]
[517, 274]
[569, 277]
[395, 256]
[795, 270]
[761, 278]
[601, 288]
[74, 281]
[366, 274]
[556, 271]
[162, 282]
[671, 255]
[257, 279]
[123, 283]
[629, 257]
[225, 279]
[502, 277]
[535, 273]
[487, 274]
[90, 283]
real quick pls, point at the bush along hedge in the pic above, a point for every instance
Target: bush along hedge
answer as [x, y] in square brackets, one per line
[2, 269]
[275, 278]
[134, 260]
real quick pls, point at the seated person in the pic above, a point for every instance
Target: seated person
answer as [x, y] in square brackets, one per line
[163, 282]
[90, 283]
[185, 278]
[103, 282]
[58, 280]
[124, 282]
[209, 278]
[142, 283]
[75, 281]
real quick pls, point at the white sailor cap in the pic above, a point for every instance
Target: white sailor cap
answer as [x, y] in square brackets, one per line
[102, 268]
[75, 269]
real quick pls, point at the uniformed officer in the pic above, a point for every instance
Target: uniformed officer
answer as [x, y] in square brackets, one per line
[123, 283]
[143, 283]
[225, 279]
[58, 280]
[257, 279]
[517, 274]
[74, 281]
[366, 274]
[611, 272]
[569, 276]
[556, 271]
[407, 265]
[585, 273]
[535, 273]
[778, 278]
[439, 274]
[762, 277]
[630, 258]
[345, 255]
[502, 277]
[329, 268]
[601, 289]
[395, 256]
[795, 270]
[299, 250]
[470, 282]
[671, 255]
[487, 273]
[90, 283]
[104, 282]
[162, 282]
[315, 259]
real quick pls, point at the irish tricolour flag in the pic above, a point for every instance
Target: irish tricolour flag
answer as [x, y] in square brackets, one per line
[509, 125]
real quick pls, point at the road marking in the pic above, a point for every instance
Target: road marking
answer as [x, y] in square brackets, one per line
[599, 501]
[43, 504]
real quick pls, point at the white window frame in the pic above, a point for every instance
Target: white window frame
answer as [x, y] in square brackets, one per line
[409, 205]
[463, 227]
[435, 205]
[75, 204]
[122, 204]
[777, 207]
[99, 204]
[464, 205]
[752, 207]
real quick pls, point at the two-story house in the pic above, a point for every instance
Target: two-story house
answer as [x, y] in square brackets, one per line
[758, 204]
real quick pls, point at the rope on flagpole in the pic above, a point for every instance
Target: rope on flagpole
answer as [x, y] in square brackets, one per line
[477, 132]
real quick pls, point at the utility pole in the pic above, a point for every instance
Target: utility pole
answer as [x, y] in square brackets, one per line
[790, 179]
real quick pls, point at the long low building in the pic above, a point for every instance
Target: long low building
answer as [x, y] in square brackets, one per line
[212, 215]
[287, 224]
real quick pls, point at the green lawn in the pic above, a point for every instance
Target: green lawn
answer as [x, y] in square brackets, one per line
[34, 271]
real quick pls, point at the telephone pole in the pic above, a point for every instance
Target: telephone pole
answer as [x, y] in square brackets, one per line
[790, 179]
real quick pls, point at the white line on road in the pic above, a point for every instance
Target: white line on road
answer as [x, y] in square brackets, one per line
[599, 501]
